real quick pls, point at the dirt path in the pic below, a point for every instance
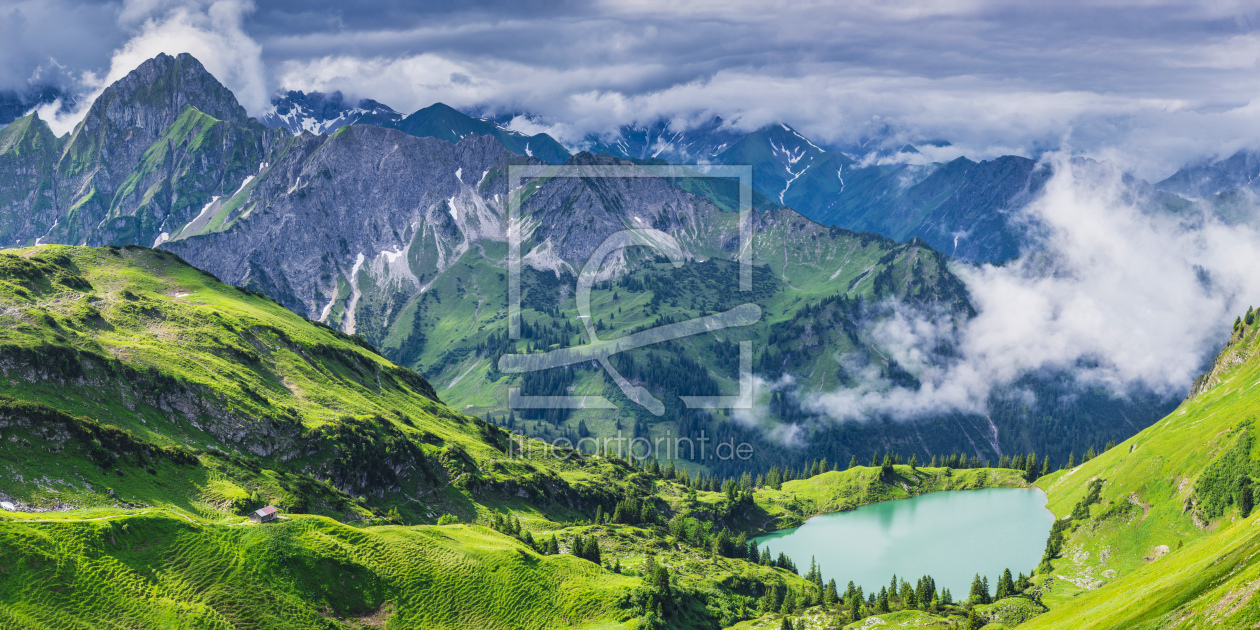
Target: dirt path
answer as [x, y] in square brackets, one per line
[1146, 509]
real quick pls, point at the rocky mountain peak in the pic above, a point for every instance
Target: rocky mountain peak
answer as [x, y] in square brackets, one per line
[152, 96]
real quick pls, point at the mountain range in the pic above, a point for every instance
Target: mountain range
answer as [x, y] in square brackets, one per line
[963, 208]
[204, 315]
[401, 238]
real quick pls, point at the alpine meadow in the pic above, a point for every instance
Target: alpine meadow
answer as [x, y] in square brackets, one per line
[646, 316]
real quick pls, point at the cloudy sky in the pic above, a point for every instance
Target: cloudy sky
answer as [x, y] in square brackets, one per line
[1149, 84]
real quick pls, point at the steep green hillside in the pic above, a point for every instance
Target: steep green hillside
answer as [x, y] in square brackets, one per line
[138, 340]
[306, 572]
[1171, 540]
[147, 407]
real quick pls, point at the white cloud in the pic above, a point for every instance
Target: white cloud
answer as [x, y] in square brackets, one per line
[213, 32]
[992, 77]
[1122, 296]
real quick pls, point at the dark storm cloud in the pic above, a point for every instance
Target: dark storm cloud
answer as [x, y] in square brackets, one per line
[1157, 82]
[53, 42]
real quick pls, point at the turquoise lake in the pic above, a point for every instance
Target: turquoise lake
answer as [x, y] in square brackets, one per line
[950, 536]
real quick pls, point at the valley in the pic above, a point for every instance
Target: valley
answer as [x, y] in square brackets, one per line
[204, 313]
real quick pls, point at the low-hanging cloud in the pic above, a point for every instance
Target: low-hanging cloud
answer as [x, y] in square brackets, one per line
[213, 32]
[1122, 293]
[988, 76]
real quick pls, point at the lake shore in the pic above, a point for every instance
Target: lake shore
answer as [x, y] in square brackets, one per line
[845, 490]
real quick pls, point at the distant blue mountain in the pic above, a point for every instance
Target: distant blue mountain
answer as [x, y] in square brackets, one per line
[1240, 171]
[661, 141]
[321, 113]
[963, 208]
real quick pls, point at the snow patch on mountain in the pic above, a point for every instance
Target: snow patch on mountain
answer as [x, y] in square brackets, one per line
[348, 325]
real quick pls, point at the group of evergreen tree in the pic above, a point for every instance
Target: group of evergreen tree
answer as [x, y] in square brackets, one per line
[657, 597]
[1060, 528]
[512, 527]
[921, 595]
[630, 511]
[775, 478]
[853, 604]
[586, 548]
[1089, 454]
[980, 590]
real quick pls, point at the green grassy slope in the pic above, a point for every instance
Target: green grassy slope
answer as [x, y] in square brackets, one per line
[307, 572]
[146, 407]
[169, 357]
[1166, 546]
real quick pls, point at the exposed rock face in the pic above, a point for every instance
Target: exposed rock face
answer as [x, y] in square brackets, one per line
[28, 197]
[336, 202]
[116, 150]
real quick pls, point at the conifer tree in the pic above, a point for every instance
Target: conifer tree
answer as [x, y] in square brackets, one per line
[830, 594]
[853, 462]
[1005, 586]
[591, 550]
[1031, 469]
[978, 591]
[789, 602]
[660, 581]
[933, 464]
[1045, 466]
[648, 516]
[855, 608]
[874, 460]
[914, 462]
[881, 602]
[787, 624]
[973, 620]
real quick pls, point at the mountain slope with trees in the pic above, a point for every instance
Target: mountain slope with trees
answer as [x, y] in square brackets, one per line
[402, 240]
